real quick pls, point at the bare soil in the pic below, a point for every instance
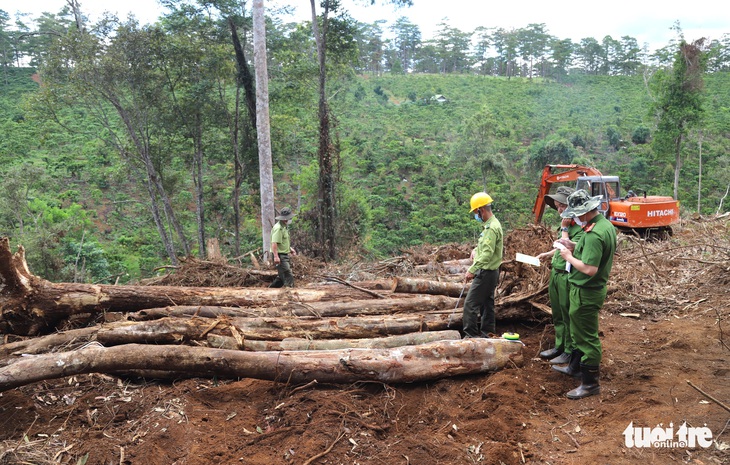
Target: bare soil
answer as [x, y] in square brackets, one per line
[680, 333]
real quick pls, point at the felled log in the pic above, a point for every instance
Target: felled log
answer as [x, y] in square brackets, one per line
[398, 365]
[425, 286]
[38, 345]
[178, 330]
[226, 342]
[421, 303]
[459, 266]
[30, 305]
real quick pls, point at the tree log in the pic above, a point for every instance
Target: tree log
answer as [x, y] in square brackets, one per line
[178, 330]
[424, 286]
[30, 305]
[47, 343]
[421, 303]
[398, 365]
[225, 342]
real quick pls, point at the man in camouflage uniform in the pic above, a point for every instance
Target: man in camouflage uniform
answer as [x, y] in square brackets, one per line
[591, 259]
[559, 287]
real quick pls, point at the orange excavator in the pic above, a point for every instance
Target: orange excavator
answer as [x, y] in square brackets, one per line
[646, 215]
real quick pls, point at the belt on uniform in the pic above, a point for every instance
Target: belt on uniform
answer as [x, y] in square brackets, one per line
[283, 253]
[560, 271]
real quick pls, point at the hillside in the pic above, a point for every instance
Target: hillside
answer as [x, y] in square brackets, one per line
[677, 291]
[408, 166]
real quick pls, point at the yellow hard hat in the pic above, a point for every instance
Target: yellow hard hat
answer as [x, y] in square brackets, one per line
[480, 199]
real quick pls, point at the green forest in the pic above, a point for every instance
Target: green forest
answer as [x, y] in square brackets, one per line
[124, 146]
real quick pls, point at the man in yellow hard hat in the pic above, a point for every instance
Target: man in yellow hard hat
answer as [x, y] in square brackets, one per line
[479, 319]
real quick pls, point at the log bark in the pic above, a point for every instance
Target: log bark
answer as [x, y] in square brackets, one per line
[179, 330]
[425, 286]
[422, 303]
[38, 345]
[459, 266]
[225, 342]
[30, 305]
[399, 365]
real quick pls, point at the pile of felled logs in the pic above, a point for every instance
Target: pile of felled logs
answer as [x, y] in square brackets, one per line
[402, 330]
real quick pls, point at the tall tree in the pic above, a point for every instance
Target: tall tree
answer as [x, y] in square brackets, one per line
[589, 53]
[562, 56]
[326, 192]
[263, 129]
[119, 72]
[452, 48]
[244, 80]
[629, 59]
[533, 44]
[407, 41]
[678, 106]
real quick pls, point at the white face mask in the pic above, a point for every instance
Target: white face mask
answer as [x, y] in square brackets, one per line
[579, 222]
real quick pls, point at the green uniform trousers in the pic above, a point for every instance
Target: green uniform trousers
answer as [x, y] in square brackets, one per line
[584, 307]
[479, 319]
[285, 277]
[559, 292]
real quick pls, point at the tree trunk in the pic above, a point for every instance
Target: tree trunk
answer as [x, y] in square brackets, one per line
[677, 164]
[398, 365]
[197, 170]
[177, 330]
[246, 80]
[39, 345]
[30, 305]
[699, 172]
[326, 212]
[415, 304]
[225, 342]
[425, 286]
[266, 170]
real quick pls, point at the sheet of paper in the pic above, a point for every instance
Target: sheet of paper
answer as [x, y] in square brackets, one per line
[529, 259]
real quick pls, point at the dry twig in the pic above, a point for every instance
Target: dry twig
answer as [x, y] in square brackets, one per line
[326, 451]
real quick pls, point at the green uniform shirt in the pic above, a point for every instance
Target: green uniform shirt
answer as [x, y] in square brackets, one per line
[595, 248]
[489, 248]
[575, 232]
[280, 235]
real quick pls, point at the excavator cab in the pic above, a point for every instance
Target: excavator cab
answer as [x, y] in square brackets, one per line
[608, 187]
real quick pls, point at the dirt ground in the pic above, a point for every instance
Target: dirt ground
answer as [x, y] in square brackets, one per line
[679, 334]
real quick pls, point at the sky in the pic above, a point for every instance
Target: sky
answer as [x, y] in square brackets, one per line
[648, 21]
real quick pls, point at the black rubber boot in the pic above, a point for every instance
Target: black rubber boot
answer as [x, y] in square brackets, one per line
[588, 384]
[573, 366]
[550, 353]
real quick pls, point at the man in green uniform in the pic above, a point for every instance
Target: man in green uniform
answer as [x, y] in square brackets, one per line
[591, 260]
[559, 288]
[281, 248]
[479, 319]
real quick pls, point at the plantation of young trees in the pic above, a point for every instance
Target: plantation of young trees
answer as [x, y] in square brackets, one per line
[126, 146]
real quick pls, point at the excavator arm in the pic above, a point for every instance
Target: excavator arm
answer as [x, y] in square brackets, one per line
[565, 173]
